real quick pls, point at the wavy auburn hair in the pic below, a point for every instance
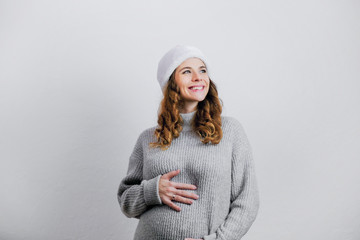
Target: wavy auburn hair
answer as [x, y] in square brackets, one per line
[207, 120]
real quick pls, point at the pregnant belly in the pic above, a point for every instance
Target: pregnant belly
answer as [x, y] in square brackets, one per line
[162, 222]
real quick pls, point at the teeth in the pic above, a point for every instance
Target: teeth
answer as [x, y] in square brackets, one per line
[197, 88]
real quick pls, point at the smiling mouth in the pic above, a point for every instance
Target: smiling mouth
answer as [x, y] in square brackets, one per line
[197, 87]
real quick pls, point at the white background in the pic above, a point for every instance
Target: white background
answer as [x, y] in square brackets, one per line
[78, 85]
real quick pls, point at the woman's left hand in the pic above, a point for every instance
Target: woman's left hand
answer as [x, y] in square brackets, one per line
[193, 239]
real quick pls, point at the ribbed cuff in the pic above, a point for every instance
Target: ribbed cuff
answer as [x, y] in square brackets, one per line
[151, 191]
[210, 237]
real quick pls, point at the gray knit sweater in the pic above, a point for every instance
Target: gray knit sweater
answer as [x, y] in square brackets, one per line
[224, 175]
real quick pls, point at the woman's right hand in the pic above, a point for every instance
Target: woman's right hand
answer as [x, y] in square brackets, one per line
[167, 189]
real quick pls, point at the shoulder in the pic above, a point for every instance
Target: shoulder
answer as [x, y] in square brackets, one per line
[234, 129]
[231, 123]
[143, 139]
[147, 135]
[147, 131]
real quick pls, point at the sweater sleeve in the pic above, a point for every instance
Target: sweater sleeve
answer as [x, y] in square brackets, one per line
[244, 201]
[135, 194]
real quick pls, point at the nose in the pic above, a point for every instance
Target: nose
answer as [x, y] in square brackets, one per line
[196, 77]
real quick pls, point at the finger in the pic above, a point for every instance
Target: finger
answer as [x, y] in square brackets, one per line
[171, 174]
[183, 200]
[172, 205]
[184, 186]
[186, 194]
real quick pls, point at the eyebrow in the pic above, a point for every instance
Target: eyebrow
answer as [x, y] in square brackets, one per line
[202, 66]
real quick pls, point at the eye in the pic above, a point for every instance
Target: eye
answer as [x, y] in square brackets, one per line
[203, 70]
[186, 71]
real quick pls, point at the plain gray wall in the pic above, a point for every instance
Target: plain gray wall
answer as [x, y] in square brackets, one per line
[78, 85]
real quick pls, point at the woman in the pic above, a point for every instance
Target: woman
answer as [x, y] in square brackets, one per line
[192, 176]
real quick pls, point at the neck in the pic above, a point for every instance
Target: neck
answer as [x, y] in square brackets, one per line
[188, 107]
[187, 119]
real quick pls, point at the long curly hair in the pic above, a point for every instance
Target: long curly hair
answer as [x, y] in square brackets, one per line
[206, 123]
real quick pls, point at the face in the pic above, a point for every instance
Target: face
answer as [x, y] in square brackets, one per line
[192, 78]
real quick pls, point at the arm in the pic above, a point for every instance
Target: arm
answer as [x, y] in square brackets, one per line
[244, 192]
[135, 194]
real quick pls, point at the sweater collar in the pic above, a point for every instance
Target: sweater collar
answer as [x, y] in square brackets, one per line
[187, 118]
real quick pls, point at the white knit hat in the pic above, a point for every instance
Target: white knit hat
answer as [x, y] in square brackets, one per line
[173, 58]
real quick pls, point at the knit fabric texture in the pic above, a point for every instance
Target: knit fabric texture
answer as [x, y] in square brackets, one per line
[224, 174]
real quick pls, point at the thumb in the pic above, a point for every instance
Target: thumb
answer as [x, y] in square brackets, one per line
[171, 174]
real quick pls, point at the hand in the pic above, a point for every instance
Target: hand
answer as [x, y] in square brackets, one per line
[168, 188]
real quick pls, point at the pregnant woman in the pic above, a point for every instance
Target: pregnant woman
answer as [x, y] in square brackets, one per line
[192, 176]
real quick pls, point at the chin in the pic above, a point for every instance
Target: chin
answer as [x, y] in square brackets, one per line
[199, 99]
